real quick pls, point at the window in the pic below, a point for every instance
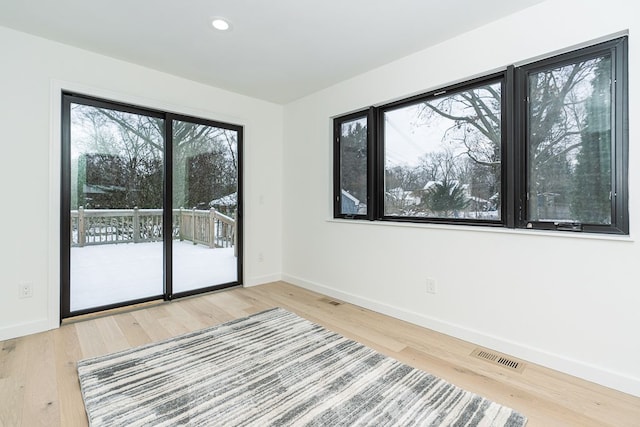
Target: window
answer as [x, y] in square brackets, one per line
[575, 139]
[540, 146]
[351, 179]
[442, 154]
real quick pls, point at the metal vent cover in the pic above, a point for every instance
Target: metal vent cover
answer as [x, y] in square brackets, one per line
[499, 359]
[330, 301]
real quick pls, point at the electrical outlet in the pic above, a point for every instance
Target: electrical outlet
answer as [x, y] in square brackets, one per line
[432, 287]
[25, 290]
[260, 257]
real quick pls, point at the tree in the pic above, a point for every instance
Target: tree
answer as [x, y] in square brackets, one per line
[445, 198]
[353, 158]
[204, 164]
[555, 120]
[590, 202]
[442, 165]
[120, 158]
[402, 190]
[471, 142]
[126, 152]
[475, 121]
[556, 114]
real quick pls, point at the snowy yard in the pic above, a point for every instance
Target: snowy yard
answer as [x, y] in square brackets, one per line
[108, 274]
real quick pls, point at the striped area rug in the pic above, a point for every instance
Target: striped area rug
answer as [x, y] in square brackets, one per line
[273, 369]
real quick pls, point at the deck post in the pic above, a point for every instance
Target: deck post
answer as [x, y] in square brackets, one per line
[136, 225]
[81, 231]
[193, 226]
[212, 228]
[234, 230]
[180, 224]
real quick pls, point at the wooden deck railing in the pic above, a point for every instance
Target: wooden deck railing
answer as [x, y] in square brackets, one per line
[109, 226]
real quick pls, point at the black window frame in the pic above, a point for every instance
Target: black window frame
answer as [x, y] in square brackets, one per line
[618, 51]
[434, 94]
[514, 148]
[367, 114]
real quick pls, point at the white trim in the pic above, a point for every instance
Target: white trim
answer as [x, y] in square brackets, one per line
[557, 362]
[261, 280]
[22, 329]
[55, 168]
[486, 229]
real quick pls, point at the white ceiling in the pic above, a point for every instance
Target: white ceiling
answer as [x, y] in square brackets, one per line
[277, 50]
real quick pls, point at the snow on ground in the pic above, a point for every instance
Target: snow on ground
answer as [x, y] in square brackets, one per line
[108, 274]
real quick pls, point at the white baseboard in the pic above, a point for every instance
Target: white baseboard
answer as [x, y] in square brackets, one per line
[261, 280]
[41, 325]
[557, 362]
[23, 329]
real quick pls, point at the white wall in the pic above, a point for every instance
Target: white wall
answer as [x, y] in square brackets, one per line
[567, 301]
[32, 72]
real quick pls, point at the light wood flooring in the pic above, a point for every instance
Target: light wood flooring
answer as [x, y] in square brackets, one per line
[39, 383]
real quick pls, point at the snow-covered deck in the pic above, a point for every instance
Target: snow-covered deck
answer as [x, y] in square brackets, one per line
[109, 274]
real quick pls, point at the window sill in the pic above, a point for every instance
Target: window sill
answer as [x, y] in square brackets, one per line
[486, 229]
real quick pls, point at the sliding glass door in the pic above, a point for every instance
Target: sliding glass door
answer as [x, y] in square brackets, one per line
[205, 200]
[150, 205]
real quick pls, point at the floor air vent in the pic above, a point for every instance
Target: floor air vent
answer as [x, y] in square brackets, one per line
[499, 359]
[330, 301]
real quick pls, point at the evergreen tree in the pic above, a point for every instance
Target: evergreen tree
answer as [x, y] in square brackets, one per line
[445, 198]
[590, 202]
[353, 153]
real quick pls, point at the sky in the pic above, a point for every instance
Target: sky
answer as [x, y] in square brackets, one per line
[406, 141]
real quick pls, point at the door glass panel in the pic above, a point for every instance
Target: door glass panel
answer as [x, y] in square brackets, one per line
[116, 207]
[205, 200]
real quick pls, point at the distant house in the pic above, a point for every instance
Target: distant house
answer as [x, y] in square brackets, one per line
[404, 197]
[103, 196]
[351, 205]
[225, 204]
[453, 185]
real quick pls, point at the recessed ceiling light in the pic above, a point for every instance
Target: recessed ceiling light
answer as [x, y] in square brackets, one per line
[220, 24]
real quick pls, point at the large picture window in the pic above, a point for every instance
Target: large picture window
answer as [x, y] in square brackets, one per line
[539, 146]
[442, 154]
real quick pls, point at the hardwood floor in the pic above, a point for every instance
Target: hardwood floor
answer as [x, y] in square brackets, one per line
[39, 383]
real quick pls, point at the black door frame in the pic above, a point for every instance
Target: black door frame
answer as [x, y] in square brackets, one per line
[69, 98]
